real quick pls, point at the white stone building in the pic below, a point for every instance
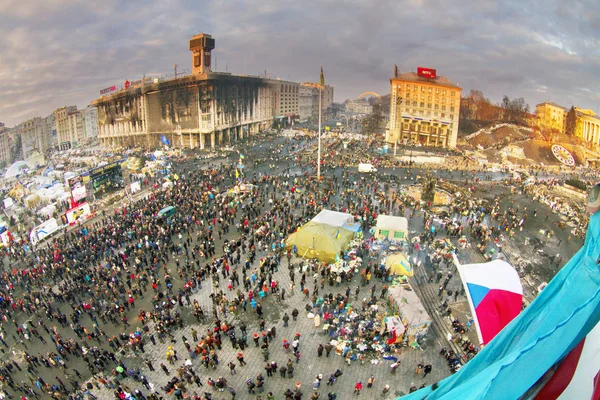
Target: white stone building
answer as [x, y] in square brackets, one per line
[90, 122]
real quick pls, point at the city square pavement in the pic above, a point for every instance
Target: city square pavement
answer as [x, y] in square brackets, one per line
[309, 365]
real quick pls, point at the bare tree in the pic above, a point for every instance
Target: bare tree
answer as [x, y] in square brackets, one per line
[514, 110]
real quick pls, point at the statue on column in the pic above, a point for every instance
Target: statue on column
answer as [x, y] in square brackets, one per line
[428, 191]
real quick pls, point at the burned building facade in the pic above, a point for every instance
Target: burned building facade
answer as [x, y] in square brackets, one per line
[202, 110]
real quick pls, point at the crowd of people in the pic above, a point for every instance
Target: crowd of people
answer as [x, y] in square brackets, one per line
[76, 287]
[125, 281]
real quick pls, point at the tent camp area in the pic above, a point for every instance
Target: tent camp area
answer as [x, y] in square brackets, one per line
[325, 237]
[391, 227]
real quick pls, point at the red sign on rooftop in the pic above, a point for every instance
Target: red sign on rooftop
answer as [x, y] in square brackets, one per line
[426, 72]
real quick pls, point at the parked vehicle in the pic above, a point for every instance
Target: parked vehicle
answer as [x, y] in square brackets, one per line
[366, 168]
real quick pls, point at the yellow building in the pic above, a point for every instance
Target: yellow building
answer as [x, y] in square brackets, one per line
[424, 109]
[550, 116]
[586, 126]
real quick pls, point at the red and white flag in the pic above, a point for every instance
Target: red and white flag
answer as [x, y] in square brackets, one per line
[495, 295]
[578, 376]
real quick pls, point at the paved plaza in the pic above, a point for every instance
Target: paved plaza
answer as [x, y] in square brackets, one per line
[426, 283]
[309, 366]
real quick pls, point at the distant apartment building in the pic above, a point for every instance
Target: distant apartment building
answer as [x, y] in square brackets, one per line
[4, 146]
[359, 107]
[34, 137]
[424, 109]
[327, 100]
[75, 127]
[305, 102]
[50, 126]
[90, 122]
[64, 125]
[550, 116]
[285, 98]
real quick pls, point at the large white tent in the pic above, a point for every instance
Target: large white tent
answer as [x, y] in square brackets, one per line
[16, 168]
[333, 218]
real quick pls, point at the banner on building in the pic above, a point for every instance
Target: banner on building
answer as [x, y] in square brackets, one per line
[82, 212]
[43, 230]
[8, 202]
[135, 187]
[108, 90]
[79, 193]
[6, 237]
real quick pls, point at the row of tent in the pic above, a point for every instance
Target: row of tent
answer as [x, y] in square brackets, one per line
[327, 236]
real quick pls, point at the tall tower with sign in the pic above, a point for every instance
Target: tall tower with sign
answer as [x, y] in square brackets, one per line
[201, 45]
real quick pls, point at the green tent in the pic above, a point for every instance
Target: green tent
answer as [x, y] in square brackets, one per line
[320, 241]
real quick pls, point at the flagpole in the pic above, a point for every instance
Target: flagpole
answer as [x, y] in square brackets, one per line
[319, 151]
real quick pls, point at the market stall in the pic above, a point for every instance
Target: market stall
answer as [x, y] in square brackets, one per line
[391, 227]
[395, 328]
[404, 302]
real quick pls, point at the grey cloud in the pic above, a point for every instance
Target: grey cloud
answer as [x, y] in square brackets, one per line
[57, 52]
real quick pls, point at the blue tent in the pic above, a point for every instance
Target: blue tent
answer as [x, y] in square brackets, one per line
[555, 322]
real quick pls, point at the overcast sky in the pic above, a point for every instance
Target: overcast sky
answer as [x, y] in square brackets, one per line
[62, 52]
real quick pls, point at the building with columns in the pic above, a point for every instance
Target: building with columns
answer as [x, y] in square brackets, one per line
[591, 128]
[584, 124]
[202, 110]
[424, 109]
